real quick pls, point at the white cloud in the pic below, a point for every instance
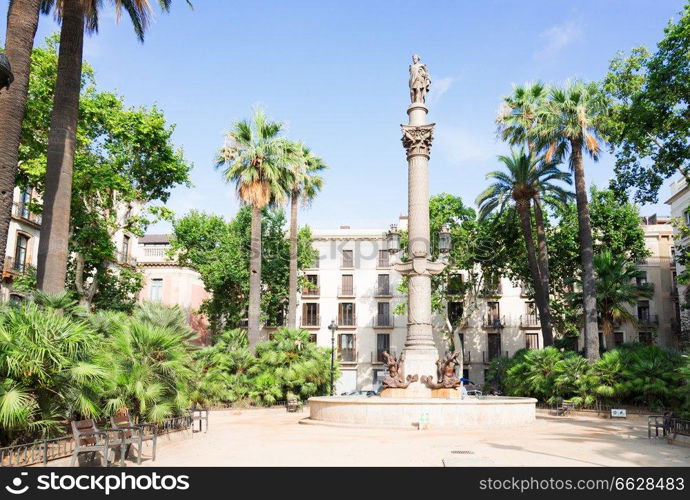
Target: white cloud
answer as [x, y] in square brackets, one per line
[439, 87]
[556, 39]
[459, 145]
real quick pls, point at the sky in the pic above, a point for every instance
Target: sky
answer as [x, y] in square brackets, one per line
[335, 73]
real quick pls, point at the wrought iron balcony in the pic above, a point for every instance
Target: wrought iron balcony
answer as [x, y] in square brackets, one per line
[13, 268]
[377, 356]
[347, 321]
[491, 354]
[383, 321]
[383, 291]
[529, 321]
[21, 211]
[648, 320]
[313, 291]
[311, 321]
[492, 290]
[493, 321]
[347, 355]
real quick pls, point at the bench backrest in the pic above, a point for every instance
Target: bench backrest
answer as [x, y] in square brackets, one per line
[79, 427]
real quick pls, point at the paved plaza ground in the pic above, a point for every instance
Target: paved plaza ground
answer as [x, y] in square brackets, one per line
[272, 437]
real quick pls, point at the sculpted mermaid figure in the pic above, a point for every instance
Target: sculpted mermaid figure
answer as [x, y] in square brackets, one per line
[395, 379]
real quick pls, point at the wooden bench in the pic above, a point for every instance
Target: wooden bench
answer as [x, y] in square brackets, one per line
[564, 407]
[88, 438]
[656, 422]
[135, 433]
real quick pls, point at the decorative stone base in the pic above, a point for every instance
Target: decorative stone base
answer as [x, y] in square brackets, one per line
[393, 393]
[392, 412]
[446, 393]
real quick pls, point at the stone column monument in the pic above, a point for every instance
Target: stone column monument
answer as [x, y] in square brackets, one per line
[420, 350]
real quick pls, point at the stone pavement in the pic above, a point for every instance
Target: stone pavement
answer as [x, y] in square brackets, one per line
[273, 437]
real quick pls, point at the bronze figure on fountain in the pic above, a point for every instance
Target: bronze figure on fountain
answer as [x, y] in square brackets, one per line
[445, 372]
[395, 378]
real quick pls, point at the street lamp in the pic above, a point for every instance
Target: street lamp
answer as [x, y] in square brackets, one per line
[332, 327]
[444, 239]
[393, 237]
[6, 76]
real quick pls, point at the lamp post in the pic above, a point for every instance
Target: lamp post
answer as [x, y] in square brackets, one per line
[332, 327]
[6, 76]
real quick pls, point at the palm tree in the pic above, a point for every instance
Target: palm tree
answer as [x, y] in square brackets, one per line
[306, 183]
[517, 119]
[76, 17]
[569, 122]
[526, 176]
[257, 160]
[22, 21]
[617, 289]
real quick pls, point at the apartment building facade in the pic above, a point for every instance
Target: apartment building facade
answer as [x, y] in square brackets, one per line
[679, 201]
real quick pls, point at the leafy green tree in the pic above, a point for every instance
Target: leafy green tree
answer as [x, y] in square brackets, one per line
[570, 122]
[525, 177]
[124, 159]
[257, 160]
[650, 123]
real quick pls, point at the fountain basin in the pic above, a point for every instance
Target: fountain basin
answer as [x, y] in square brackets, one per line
[375, 411]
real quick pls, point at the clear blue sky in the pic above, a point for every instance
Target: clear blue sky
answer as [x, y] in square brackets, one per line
[336, 73]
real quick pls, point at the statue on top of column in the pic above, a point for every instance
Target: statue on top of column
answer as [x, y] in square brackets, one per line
[419, 80]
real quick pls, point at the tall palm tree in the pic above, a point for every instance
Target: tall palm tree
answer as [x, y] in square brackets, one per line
[569, 122]
[617, 289]
[257, 160]
[306, 183]
[22, 21]
[525, 176]
[517, 119]
[77, 16]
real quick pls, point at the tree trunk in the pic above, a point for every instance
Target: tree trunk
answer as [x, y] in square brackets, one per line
[292, 286]
[523, 209]
[254, 331]
[53, 245]
[543, 263]
[22, 21]
[586, 255]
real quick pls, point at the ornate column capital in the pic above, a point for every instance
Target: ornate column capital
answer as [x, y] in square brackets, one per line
[417, 139]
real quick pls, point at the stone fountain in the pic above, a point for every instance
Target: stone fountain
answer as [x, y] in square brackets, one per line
[409, 389]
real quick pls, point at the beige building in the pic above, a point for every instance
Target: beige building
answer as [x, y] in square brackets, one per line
[680, 210]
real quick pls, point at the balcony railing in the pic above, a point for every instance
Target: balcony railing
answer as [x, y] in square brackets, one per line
[22, 211]
[383, 321]
[311, 321]
[347, 291]
[12, 267]
[347, 355]
[346, 321]
[491, 354]
[492, 290]
[529, 321]
[155, 251]
[314, 291]
[377, 356]
[648, 320]
[126, 259]
[383, 291]
[493, 321]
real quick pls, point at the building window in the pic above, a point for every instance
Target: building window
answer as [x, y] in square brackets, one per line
[618, 339]
[455, 311]
[156, 293]
[687, 217]
[310, 314]
[494, 346]
[455, 284]
[641, 279]
[346, 314]
[384, 285]
[383, 316]
[125, 248]
[347, 286]
[312, 338]
[346, 347]
[24, 203]
[313, 285]
[384, 257]
[532, 341]
[20, 252]
[493, 314]
[348, 260]
[643, 311]
[383, 343]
